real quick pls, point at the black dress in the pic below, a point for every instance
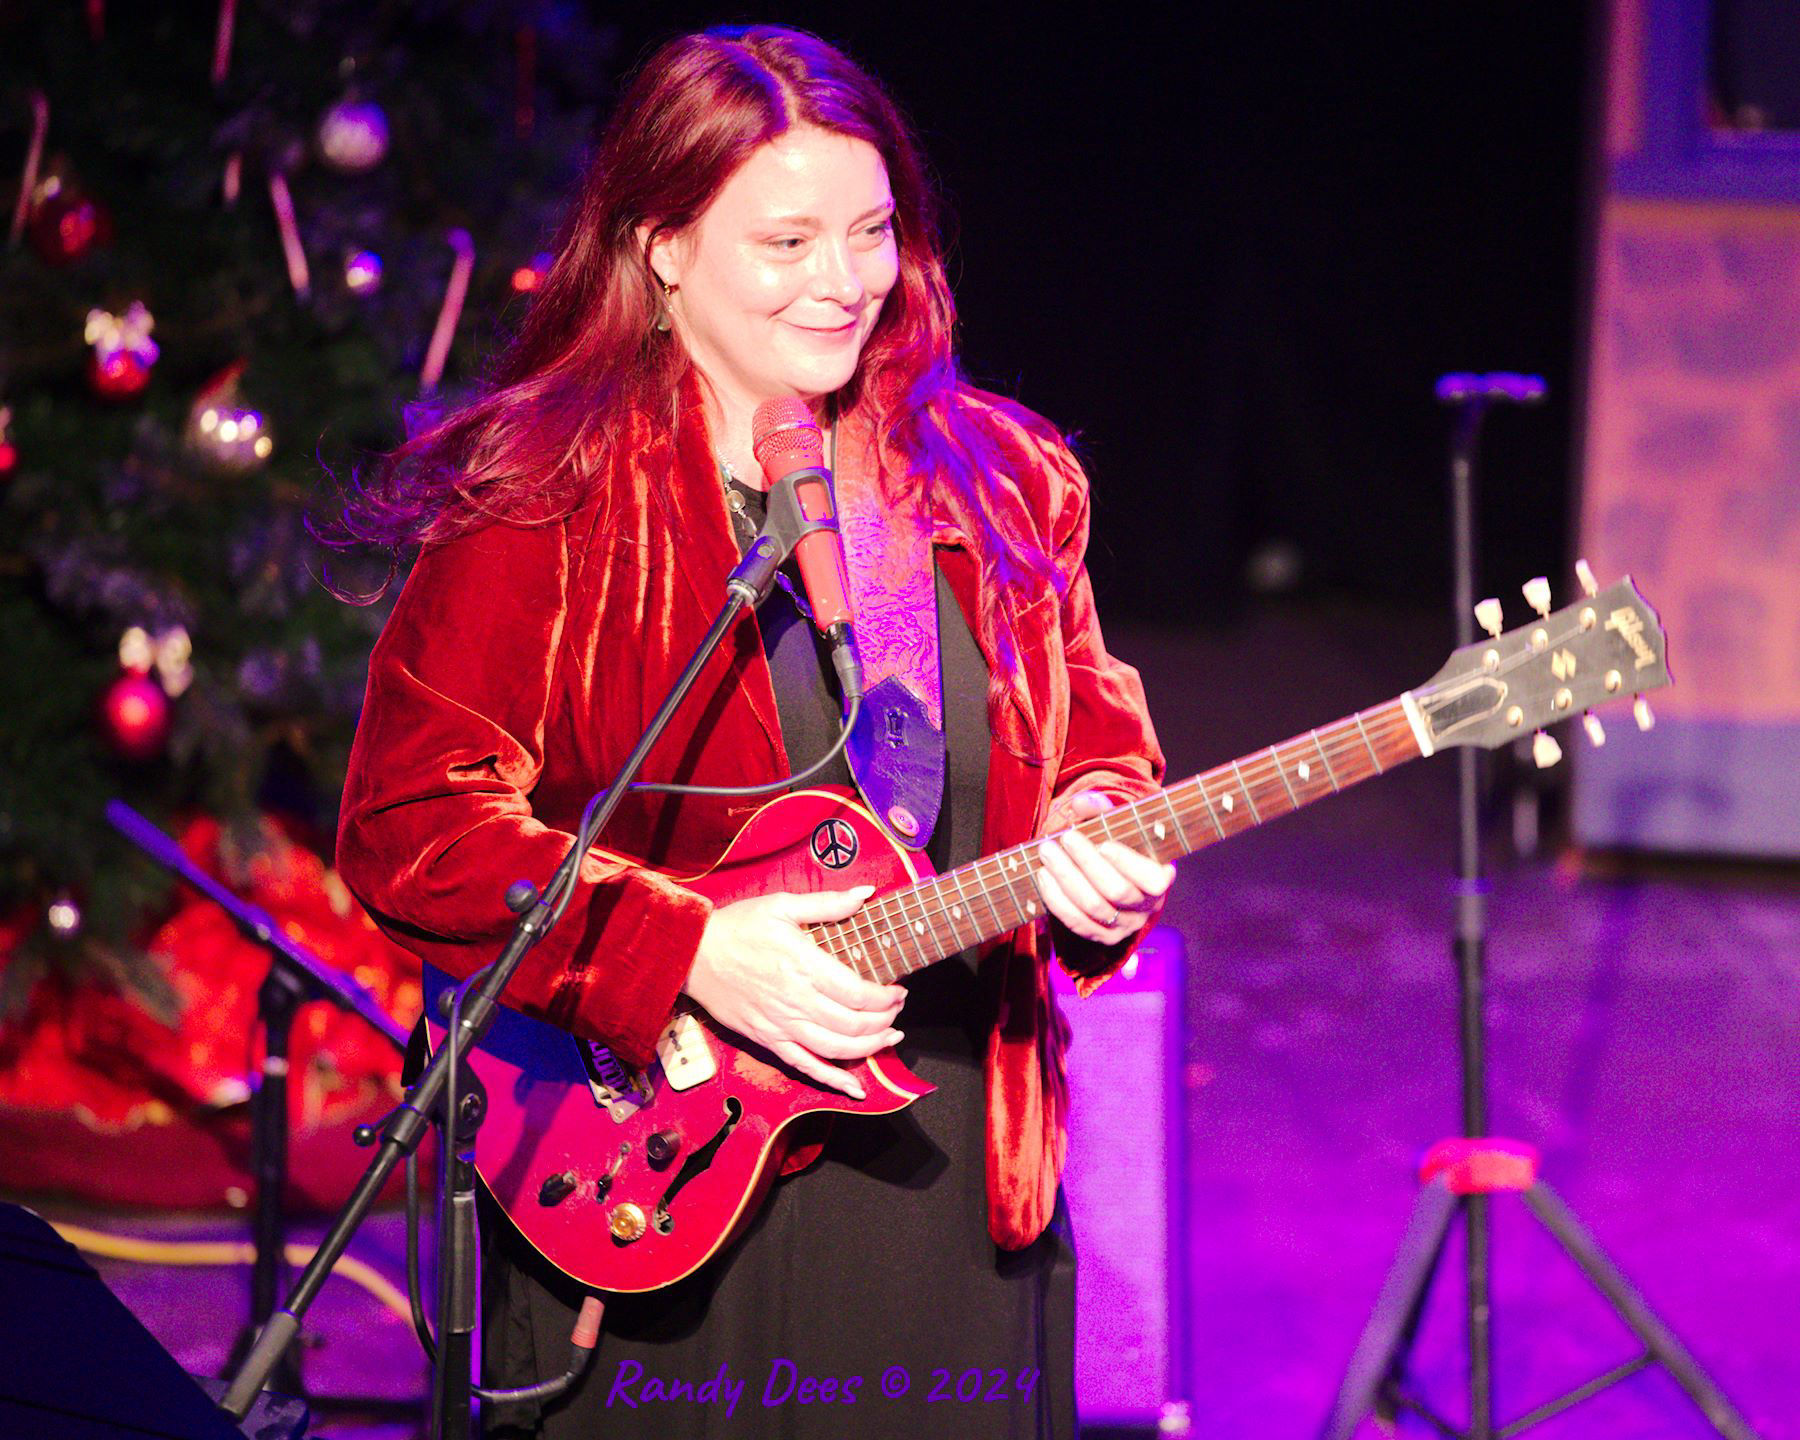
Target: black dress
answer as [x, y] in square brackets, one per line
[870, 1274]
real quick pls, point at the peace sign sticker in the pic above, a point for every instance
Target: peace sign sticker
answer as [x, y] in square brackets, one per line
[834, 843]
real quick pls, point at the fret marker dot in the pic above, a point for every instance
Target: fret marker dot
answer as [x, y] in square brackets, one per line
[856, 953]
[1229, 804]
[1159, 830]
[1304, 771]
[887, 939]
[956, 910]
[1013, 863]
[1031, 907]
[918, 927]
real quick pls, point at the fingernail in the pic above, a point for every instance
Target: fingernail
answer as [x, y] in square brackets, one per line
[894, 1037]
[856, 1092]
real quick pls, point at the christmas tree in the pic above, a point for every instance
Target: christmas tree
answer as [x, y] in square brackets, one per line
[244, 240]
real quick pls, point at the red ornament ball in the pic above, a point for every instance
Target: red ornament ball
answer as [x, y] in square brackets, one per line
[136, 714]
[66, 225]
[120, 375]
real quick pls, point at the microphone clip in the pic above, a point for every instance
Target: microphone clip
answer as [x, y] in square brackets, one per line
[785, 525]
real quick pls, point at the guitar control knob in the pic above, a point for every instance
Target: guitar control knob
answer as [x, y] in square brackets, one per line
[661, 1148]
[557, 1188]
[626, 1222]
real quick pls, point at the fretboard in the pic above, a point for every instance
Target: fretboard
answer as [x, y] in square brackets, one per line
[918, 925]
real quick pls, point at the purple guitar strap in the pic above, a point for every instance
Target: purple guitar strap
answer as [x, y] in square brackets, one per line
[897, 749]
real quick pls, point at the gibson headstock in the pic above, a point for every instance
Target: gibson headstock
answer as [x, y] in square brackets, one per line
[1609, 645]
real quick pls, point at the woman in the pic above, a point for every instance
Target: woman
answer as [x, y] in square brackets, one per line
[757, 225]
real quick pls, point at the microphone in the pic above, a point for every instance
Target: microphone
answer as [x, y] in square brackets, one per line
[788, 446]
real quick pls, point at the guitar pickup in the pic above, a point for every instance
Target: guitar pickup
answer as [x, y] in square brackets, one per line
[687, 1057]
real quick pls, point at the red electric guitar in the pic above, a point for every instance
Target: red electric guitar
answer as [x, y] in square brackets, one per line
[630, 1180]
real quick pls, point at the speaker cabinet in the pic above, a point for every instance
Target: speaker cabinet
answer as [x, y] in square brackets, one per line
[1125, 1185]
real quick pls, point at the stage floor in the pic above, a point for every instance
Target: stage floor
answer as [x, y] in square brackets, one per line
[1644, 1026]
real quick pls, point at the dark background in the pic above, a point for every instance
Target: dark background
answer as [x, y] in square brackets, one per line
[1232, 249]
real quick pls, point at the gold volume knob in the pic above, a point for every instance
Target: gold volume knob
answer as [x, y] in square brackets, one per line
[626, 1222]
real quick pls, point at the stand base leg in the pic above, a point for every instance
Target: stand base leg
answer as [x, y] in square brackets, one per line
[1378, 1363]
[1664, 1347]
[285, 1379]
[1385, 1339]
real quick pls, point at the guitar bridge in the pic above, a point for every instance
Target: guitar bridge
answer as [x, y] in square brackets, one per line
[617, 1088]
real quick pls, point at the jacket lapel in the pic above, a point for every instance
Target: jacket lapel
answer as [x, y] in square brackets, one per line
[683, 482]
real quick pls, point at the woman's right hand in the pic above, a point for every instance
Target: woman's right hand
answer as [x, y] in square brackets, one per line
[758, 972]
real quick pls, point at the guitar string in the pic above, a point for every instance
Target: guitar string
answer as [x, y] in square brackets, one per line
[890, 915]
[1390, 724]
[1389, 721]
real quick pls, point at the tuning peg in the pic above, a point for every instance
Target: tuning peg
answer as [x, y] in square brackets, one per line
[1596, 732]
[1544, 750]
[1537, 595]
[1640, 712]
[1490, 617]
[1584, 573]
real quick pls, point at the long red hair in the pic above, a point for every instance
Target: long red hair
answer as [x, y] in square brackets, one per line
[528, 448]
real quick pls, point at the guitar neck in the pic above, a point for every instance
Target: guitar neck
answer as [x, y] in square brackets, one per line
[907, 929]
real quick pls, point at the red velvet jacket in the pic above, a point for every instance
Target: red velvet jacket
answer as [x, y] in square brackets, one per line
[520, 665]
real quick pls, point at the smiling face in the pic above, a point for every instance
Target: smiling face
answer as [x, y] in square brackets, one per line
[778, 285]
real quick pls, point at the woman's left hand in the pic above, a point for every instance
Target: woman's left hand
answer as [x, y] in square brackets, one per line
[1102, 892]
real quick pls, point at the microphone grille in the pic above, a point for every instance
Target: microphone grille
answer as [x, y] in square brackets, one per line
[786, 438]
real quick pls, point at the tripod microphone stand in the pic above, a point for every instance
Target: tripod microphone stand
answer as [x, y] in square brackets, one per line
[1459, 1175]
[295, 976]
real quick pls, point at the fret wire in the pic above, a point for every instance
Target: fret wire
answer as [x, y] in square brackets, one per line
[1187, 845]
[877, 966]
[1325, 760]
[1293, 799]
[998, 917]
[1150, 844]
[1205, 799]
[910, 922]
[1008, 917]
[891, 933]
[963, 905]
[1363, 731]
[974, 873]
[931, 900]
[1249, 799]
[907, 928]
[1028, 909]
[977, 895]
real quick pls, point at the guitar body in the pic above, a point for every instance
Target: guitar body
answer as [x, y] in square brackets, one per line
[567, 1148]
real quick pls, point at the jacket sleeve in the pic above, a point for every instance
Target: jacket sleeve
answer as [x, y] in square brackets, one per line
[437, 820]
[1111, 745]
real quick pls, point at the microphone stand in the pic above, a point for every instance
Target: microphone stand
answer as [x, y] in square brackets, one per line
[295, 976]
[473, 1013]
[1460, 1175]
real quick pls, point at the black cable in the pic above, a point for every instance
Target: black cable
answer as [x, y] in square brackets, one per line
[414, 1296]
[799, 779]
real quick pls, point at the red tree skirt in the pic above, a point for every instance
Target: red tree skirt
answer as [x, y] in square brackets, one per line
[101, 1101]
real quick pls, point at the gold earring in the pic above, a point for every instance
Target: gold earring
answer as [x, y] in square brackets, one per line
[664, 320]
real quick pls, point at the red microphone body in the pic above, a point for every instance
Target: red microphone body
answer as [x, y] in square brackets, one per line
[791, 451]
